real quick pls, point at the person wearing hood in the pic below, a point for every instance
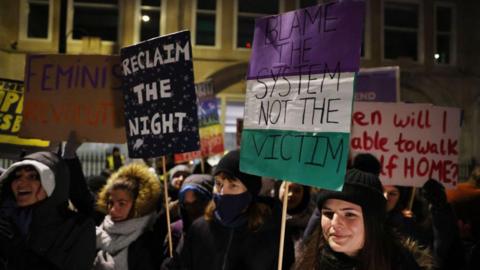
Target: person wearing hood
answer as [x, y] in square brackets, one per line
[131, 233]
[37, 228]
[239, 230]
[176, 176]
[352, 233]
[194, 196]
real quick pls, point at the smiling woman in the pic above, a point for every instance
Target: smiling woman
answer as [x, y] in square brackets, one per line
[353, 233]
[26, 186]
[37, 229]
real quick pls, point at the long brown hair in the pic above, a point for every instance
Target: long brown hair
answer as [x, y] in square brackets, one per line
[377, 252]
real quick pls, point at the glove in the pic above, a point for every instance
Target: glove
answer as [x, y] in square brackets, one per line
[434, 193]
[103, 261]
[71, 146]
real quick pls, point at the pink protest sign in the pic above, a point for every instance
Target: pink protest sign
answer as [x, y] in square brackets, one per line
[414, 142]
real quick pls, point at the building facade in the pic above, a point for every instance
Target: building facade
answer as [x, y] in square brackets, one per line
[435, 43]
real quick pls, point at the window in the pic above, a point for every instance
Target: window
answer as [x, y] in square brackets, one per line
[95, 18]
[309, 3]
[234, 111]
[205, 22]
[36, 19]
[444, 34]
[401, 30]
[248, 10]
[150, 11]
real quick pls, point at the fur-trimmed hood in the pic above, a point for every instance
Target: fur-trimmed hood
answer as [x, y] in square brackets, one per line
[422, 255]
[148, 189]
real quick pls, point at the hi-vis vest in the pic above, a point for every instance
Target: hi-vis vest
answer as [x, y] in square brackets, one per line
[110, 163]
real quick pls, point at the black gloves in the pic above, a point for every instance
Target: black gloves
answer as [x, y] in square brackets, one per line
[434, 193]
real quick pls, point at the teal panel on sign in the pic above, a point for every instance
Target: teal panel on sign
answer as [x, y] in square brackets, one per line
[314, 159]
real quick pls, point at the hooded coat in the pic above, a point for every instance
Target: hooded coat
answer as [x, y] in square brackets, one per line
[56, 238]
[144, 252]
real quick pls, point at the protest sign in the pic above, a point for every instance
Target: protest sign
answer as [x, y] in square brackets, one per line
[414, 142]
[73, 92]
[159, 94]
[378, 84]
[11, 106]
[299, 94]
[211, 132]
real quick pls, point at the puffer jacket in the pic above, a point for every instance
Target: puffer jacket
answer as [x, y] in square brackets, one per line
[57, 238]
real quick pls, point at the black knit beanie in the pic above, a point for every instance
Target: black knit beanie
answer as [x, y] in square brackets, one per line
[230, 165]
[361, 188]
[368, 163]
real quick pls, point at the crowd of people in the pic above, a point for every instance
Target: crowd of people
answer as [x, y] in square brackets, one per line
[53, 217]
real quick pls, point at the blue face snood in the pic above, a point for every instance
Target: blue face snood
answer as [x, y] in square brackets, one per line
[229, 208]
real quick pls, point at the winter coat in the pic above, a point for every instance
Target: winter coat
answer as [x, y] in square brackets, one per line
[57, 238]
[296, 224]
[410, 257]
[209, 245]
[144, 253]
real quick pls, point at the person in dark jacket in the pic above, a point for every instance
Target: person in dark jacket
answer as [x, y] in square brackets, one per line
[114, 161]
[37, 229]
[299, 210]
[193, 198]
[239, 230]
[353, 235]
[176, 176]
[131, 235]
[398, 215]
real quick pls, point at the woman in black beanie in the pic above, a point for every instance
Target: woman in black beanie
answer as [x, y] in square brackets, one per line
[353, 234]
[240, 230]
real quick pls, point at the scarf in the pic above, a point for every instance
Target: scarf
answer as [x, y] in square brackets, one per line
[331, 260]
[113, 239]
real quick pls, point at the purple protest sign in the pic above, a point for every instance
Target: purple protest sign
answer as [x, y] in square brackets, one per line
[314, 40]
[378, 84]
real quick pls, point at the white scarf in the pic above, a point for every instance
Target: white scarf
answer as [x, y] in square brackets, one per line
[113, 239]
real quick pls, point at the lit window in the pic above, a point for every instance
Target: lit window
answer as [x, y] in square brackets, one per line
[444, 17]
[150, 19]
[95, 18]
[248, 10]
[38, 19]
[205, 22]
[401, 27]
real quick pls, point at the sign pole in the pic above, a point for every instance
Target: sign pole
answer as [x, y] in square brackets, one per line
[202, 164]
[284, 222]
[412, 197]
[167, 208]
